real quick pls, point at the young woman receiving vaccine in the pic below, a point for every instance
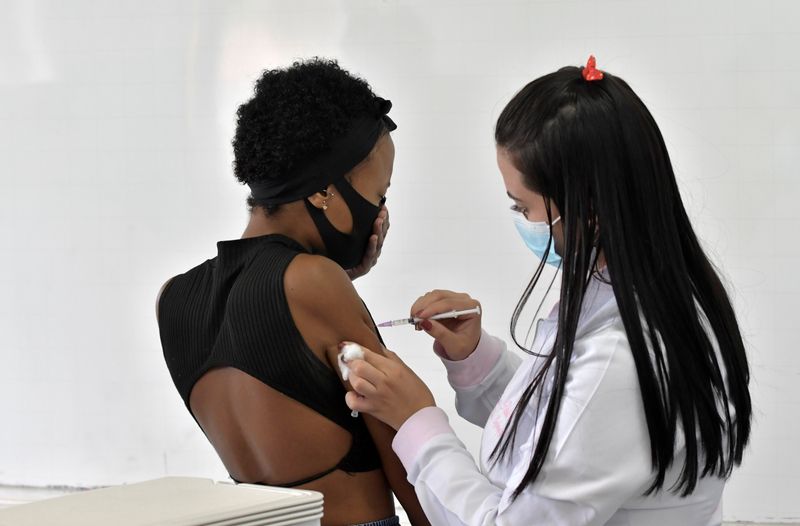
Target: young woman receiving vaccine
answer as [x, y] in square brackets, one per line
[250, 335]
[632, 406]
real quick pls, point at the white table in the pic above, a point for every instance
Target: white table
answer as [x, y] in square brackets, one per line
[173, 501]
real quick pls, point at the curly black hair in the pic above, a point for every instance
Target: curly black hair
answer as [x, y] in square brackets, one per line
[295, 114]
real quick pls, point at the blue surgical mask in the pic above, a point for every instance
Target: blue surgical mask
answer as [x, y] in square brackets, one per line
[536, 235]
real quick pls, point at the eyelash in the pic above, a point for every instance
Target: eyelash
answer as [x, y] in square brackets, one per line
[523, 211]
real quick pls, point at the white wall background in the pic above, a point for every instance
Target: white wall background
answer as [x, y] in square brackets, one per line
[115, 127]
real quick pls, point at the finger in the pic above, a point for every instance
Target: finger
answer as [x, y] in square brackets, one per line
[362, 386]
[378, 361]
[441, 334]
[381, 236]
[359, 403]
[372, 250]
[366, 371]
[428, 298]
[386, 223]
[391, 356]
[377, 226]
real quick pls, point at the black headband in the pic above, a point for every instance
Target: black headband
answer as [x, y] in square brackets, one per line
[342, 156]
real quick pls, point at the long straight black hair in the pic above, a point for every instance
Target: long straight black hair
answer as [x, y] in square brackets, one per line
[595, 151]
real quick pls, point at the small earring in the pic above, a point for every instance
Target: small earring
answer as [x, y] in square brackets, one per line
[325, 201]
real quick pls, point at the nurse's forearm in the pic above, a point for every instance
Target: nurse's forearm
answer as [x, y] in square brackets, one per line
[480, 379]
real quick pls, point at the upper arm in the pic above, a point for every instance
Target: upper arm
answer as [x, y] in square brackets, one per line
[320, 292]
[161, 292]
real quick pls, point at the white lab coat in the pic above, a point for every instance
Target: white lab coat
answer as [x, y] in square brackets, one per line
[598, 465]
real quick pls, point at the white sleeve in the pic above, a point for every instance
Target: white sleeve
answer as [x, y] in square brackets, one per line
[599, 455]
[480, 379]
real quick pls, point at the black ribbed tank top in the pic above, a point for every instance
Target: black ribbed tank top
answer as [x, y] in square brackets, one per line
[231, 311]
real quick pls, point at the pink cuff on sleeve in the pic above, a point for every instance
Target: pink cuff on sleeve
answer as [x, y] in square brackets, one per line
[416, 431]
[474, 368]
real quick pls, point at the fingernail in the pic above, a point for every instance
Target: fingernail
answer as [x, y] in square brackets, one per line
[426, 325]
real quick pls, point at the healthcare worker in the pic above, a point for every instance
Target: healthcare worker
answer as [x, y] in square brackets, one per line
[632, 407]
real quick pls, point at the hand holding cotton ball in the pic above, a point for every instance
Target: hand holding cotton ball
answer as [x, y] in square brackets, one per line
[349, 351]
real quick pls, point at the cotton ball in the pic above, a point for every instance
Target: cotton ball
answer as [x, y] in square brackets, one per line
[352, 351]
[349, 351]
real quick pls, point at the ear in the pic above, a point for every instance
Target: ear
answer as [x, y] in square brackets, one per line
[322, 197]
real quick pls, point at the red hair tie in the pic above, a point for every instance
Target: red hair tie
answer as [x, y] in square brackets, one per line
[590, 72]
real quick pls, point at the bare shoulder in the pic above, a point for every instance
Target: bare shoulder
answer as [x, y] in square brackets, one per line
[161, 292]
[318, 284]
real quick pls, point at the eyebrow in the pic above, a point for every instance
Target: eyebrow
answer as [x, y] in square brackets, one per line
[512, 197]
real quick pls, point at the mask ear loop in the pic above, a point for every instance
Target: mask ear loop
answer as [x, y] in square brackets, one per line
[597, 273]
[549, 286]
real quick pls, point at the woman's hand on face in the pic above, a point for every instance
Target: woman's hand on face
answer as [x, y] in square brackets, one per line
[386, 388]
[456, 338]
[374, 246]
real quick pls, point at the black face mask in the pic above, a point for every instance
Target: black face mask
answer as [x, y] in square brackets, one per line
[346, 249]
